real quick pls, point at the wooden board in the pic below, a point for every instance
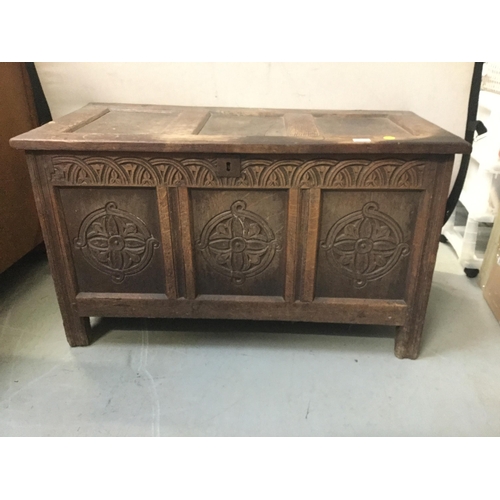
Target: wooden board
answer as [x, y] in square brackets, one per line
[127, 127]
[19, 227]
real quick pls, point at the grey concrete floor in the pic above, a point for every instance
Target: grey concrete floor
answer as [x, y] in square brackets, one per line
[241, 378]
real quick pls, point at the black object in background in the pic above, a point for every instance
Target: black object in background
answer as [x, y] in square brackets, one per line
[472, 126]
[42, 108]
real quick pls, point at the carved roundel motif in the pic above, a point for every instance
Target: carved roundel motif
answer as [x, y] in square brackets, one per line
[365, 245]
[115, 242]
[238, 243]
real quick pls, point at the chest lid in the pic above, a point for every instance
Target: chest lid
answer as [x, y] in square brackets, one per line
[176, 129]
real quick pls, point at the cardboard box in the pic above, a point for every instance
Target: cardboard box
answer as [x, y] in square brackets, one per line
[489, 276]
[491, 254]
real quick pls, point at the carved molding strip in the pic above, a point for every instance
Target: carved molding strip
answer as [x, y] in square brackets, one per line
[111, 171]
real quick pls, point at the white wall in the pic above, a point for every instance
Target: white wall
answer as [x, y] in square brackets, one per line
[438, 92]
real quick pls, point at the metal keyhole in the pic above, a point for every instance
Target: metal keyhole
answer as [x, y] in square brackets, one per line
[228, 166]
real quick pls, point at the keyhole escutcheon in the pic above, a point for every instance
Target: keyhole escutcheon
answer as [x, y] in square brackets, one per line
[229, 166]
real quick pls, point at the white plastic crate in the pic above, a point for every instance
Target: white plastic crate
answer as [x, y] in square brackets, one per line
[490, 80]
[481, 192]
[486, 147]
[469, 227]
[468, 237]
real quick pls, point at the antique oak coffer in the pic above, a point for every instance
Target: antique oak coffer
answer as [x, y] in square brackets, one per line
[160, 211]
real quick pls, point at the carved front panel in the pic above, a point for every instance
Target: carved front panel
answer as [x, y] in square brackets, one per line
[115, 239]
[365, 244]
[239, 241]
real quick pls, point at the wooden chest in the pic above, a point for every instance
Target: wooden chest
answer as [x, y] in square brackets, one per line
[158, 211]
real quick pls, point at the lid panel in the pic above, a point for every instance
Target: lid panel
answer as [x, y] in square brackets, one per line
[356, 126]
[243, 125]
[176, 129]
[128, 122]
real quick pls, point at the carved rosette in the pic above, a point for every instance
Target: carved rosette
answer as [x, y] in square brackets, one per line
[365, 245]
[115, 242]
[238, 243]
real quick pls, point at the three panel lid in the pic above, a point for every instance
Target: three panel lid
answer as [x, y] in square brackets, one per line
[151, 128]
